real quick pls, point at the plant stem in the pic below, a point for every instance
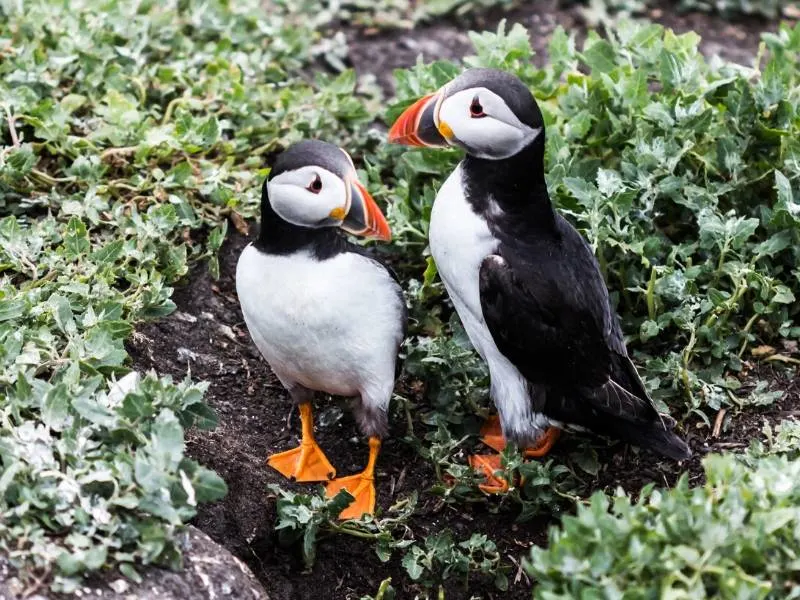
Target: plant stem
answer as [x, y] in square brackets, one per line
[651, 301]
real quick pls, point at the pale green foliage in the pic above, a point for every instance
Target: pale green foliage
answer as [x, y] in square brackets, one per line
[441, 557]
[766, 8]
[127, 127]
[737, 536]
[771, 9]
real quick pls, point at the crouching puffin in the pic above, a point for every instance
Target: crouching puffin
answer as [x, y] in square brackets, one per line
[524, 282]
[325, 315]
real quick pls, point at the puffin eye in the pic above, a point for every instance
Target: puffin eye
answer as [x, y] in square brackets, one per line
[315, 186]
[475, 109]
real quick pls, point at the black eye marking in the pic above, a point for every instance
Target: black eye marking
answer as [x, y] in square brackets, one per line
[475, 109]
[315, 186]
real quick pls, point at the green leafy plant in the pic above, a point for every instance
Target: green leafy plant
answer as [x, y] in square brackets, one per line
[783, 439]
[124, 128]
[771, 9]
[734, 537]
[308, 516]
[442, 557]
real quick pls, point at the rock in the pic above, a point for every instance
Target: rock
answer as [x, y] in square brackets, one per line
[210, 573]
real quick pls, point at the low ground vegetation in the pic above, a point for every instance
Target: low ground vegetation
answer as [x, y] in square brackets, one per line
[133, 136]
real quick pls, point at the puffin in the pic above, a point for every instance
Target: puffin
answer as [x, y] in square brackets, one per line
[524, 282]
[325, 314]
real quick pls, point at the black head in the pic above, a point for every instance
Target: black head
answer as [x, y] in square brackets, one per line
[313, 186]
[489, 113]
[313, 153]
[508, 87]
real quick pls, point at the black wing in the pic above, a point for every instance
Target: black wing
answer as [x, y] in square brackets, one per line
[552, 319]
[558, 329]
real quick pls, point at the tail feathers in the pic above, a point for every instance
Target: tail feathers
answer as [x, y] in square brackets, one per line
[613, 411]
[648, 428]
[652, 436]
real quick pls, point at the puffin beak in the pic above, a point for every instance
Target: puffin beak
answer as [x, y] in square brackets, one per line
[364, 217]
[417, 125]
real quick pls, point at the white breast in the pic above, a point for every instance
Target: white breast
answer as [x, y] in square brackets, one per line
[332, 325]
[460, 239]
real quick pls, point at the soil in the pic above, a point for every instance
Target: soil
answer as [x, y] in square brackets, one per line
[207, 339]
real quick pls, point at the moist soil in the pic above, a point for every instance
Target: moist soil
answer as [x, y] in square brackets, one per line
[206, 338]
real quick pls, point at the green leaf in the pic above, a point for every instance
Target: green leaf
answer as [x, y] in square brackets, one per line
[136, 407]
[784, 189]
[783, 295]
[310, 545]
[412, 565]
[202, 415]
[208, 486]
[76, 240]
[130, 572]
[587, 460]
[166, 444]
[600, 57]
[91, 410]
[55, 413]
[109, 253]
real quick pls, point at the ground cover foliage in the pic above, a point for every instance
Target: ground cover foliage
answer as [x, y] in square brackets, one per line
[133, 135]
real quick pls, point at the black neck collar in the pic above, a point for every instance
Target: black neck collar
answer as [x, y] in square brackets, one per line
[516, 184]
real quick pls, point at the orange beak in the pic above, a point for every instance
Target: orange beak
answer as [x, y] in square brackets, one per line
[417, 125]
[364, 218]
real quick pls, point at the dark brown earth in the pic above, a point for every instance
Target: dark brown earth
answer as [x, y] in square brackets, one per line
[207, 339]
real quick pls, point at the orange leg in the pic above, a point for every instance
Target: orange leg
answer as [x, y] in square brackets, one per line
[488, 464]
[360, 486]
[492, 434]
[544, 443]
[307, 462]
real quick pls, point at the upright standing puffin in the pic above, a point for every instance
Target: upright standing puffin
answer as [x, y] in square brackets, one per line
[524, 282]
[326, 315]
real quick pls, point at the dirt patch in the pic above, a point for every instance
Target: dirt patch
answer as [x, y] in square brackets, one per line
[207, 339]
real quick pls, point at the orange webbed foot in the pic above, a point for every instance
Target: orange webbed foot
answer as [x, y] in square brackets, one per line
[488, 465]
[543, 444]
[492, 434]
[305, 463]
[361, 486]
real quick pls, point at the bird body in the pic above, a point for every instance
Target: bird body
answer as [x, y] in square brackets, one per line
[325, 314]
[331, 324]
[525, 283]
[460, 239]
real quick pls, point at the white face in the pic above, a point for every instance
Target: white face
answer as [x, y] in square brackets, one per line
[307, 196]
[483, 124]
